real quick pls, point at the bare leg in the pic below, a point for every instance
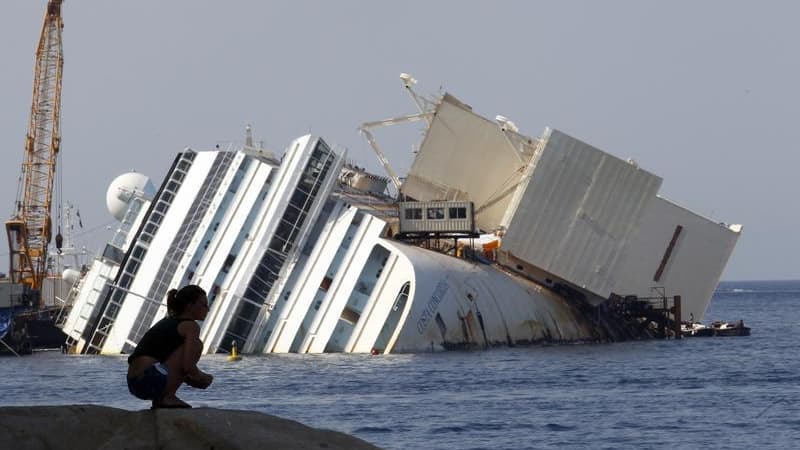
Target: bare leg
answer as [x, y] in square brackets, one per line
[176, 376]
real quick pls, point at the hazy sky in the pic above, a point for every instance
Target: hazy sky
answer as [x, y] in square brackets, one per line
[703, 94]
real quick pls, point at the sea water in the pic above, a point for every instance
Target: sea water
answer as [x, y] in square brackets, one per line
[693, 393]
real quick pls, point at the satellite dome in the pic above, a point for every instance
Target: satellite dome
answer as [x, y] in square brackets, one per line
[121, 190]
[70, 275]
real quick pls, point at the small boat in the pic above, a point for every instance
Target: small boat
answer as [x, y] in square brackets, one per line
[722, 328]
[695, 329]
[717, 328]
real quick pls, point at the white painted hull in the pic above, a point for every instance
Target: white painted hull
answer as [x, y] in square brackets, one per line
[294, 261]
[456, 303]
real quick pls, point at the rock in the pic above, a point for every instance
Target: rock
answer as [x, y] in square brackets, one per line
[102, 427]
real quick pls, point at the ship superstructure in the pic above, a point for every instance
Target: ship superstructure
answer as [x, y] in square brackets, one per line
[570, 214]
[500, 239]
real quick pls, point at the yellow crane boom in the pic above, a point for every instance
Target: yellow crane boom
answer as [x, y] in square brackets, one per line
[29, 231]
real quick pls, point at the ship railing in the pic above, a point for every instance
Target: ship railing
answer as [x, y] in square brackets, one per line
[660, 308]
[66, 304]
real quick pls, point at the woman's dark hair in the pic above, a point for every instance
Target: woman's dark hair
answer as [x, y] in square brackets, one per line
[178, 300]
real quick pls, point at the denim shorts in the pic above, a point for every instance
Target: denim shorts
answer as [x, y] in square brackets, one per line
[149, 386]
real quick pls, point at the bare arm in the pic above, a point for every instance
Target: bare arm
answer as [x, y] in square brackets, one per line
[193, 348]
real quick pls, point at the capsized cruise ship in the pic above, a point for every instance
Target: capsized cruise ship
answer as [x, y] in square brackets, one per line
[491, 238]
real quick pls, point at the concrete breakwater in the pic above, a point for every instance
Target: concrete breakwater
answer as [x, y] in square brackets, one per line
[102, 427]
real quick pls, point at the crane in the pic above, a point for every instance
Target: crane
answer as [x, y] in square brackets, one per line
[424, 114]
[29, 230]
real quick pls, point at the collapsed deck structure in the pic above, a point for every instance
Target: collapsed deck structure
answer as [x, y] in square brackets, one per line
[500, 239]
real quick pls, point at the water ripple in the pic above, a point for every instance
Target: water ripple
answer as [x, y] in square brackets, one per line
[645, 394]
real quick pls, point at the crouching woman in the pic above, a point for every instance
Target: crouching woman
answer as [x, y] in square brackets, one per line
[167, 354]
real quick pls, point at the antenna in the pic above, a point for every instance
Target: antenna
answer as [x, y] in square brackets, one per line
[248, 135]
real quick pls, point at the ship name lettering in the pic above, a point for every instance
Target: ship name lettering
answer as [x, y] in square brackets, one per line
[432, 305]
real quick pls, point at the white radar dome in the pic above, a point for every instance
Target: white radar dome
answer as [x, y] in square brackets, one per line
[70, 276]
[122, 190]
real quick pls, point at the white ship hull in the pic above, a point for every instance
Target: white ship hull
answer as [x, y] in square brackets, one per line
[302, 254]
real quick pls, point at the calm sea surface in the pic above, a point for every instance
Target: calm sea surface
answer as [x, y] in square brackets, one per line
[704, 392]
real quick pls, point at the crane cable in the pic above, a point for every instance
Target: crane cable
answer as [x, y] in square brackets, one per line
[59, 201]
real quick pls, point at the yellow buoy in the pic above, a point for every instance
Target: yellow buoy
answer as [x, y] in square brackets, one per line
[234, 356]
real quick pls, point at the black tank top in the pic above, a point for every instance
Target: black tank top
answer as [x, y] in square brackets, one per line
[160, 340]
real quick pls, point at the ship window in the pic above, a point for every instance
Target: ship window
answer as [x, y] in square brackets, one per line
[458, 213]
[350, 315]
[435, 213]
[133, 265]
[125, 281]
[326, 284]
[137, 252]
[414, 214]
[228, 263]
